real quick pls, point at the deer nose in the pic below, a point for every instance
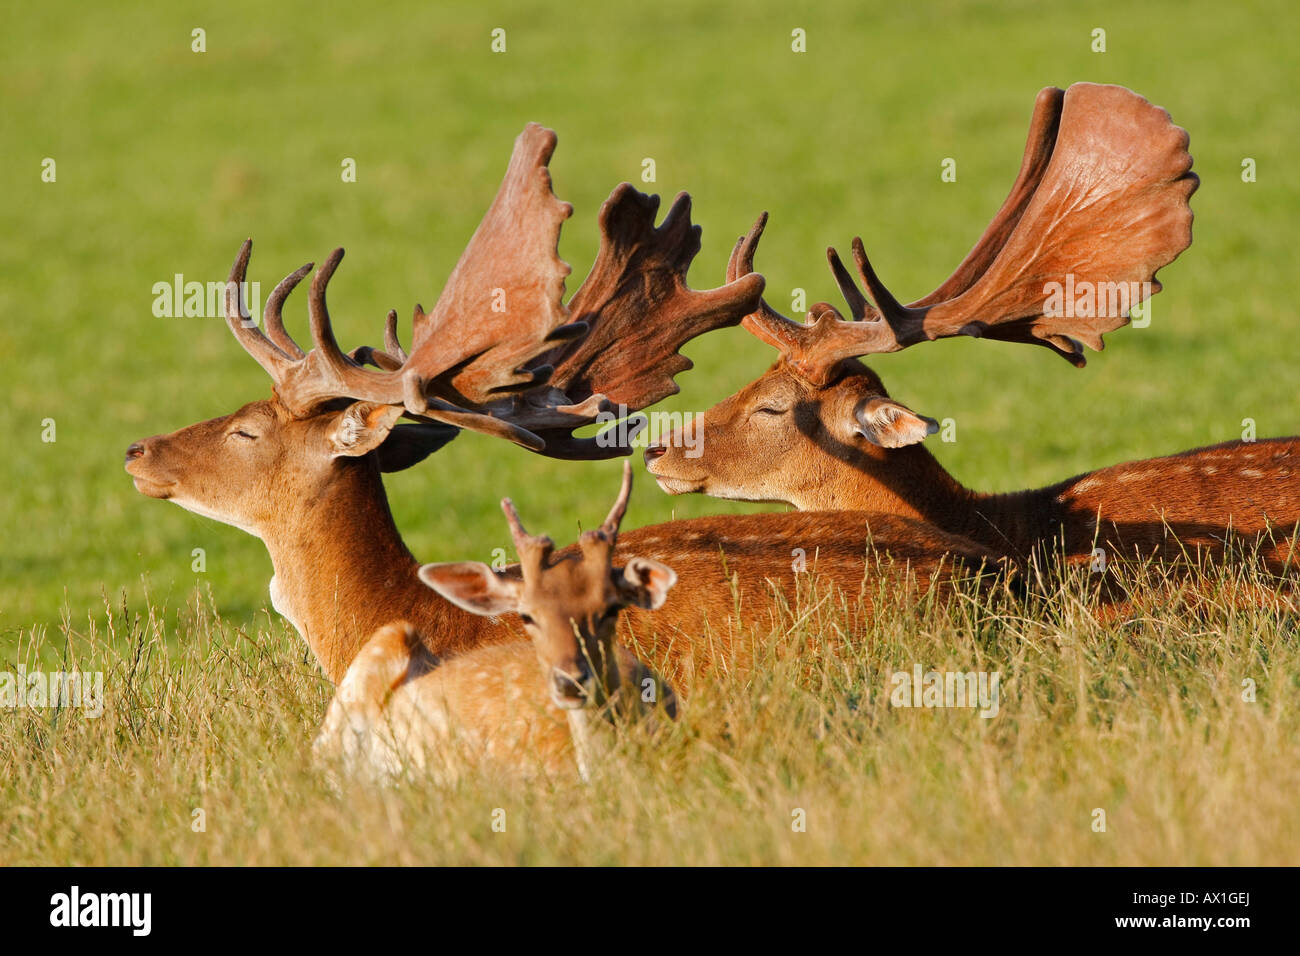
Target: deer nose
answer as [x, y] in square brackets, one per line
[657, 450]
[572, 687]
[137, 449]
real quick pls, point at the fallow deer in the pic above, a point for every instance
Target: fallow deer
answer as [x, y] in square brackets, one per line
[1102, 198]
[543, 703]
[302, 469]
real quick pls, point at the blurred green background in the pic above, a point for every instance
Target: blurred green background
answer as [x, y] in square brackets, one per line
[167, 159]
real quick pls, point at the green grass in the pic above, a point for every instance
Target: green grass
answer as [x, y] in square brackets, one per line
[167, 159]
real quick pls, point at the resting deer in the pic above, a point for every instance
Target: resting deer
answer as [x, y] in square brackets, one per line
[1102, 198]
[302, 469]
[398, 706]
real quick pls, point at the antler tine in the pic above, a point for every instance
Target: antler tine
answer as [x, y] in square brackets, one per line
[732, 270]
[392, 344]
[273, 317]
[616, 513]
[888, 307]
[517, 530]
[741, 262]
[391, 357]
[905, 322]
[322, 330]
[263, 350]
[859, 307]
[533, 550]
[789, 337]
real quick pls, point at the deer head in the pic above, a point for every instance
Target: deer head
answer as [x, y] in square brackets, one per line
[568, 604]
[1101, 203]
[527, 374]
[330, 417]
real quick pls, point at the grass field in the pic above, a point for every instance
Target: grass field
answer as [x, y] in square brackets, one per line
[204, 748]
[166, 159]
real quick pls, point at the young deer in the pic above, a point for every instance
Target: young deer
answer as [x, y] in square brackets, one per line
[523, 704]
[302, 469]
[1102, 199]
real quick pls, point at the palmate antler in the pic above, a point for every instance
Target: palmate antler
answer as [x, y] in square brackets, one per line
[481, 358]
[1102, 196]
[639, 312]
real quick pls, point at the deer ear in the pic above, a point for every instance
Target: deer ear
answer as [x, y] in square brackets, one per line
[474, 586]
[408, 445]
[644, 583]
[884, 422]
[361, 428]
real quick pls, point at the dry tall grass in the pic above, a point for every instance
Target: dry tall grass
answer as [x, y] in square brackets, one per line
[1143, 717]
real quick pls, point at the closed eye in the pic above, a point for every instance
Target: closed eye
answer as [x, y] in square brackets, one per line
[240, 433]
[770, 411]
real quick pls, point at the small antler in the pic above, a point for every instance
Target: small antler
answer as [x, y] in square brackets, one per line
[534, 550]
[616, 513]
[1101, 201]
[598, 544]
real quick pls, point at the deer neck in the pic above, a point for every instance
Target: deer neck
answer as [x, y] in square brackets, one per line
[914, 484]
[1011, 523]
[342, 571]
[1015, 523]
[903, 481]
[586, 724]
